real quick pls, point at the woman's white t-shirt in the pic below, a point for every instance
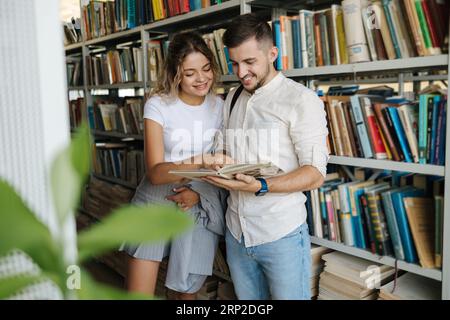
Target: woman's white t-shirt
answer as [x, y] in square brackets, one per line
[188, 130]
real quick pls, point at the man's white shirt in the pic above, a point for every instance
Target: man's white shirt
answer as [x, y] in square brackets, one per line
[284, 123]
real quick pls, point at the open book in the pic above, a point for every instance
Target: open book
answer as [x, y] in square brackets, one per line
[228, 171]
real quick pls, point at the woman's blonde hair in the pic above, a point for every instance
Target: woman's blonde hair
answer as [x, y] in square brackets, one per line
[180, 47]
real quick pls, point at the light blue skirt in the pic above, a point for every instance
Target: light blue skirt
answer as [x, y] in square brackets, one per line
[191, 255]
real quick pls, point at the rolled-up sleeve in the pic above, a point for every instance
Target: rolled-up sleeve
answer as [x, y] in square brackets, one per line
[308, 131]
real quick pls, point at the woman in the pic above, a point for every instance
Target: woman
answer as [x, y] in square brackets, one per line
[181, 119]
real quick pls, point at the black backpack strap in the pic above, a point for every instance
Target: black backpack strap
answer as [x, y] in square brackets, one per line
[236, 95]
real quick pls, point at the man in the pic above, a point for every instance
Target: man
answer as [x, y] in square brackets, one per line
[267, 239]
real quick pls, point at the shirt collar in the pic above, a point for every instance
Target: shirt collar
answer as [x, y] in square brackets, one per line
[272, 84]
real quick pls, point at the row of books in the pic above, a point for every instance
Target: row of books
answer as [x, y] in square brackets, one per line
[156, 50]
[397, 215]
[392, 128]
[220, 51]
[74, 72]
[121, 115]
[115, 66]
[72, 31]
[361, 31]
[120, 161]
[102, 18]
[155, 59]
[76, 108]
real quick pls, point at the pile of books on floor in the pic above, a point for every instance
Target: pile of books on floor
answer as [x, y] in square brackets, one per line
[316, 268]
[225, 291]
[209, 289]
[347, 277]
[100, 198]
[411, 287]
[220, 263]
[160, 290]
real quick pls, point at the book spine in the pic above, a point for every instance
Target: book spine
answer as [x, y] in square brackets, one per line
[430, 107]
[361, 126]
[423, 112]
[373, 242]
[414, 27]
[277, 36]
[341, 37]
[392, 225]
[323, 210]
[318, 40]
[434, 129]
[434, 37]
[378, 113]
[442, 134]
[304, 51]
[406, 118]
[400, 133]
[379, 224]
[439, 212]
[330, 214]
[405, 232]
[391, 28]
[374, 134]
[346, 215]
[296, 41]
[423, 25]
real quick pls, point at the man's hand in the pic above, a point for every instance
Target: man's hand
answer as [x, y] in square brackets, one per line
[217, 161]
[185, 198]
[242, 183]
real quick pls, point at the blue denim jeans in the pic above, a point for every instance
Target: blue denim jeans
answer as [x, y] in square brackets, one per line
[280, 270]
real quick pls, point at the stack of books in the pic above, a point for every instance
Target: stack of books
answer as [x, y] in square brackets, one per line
[100, 198]
[411, 287]
[347, 277]
[225, 291]
[160, 289]
[76, 112]
[316, 268]
[209, 289]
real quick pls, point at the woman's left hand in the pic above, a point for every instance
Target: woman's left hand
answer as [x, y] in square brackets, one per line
[185, 198]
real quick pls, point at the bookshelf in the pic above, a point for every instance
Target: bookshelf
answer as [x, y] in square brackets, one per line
[398, 71]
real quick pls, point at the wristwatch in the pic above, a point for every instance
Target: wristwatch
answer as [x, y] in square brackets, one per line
[264, 188]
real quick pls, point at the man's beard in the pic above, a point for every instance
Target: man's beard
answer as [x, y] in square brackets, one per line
[261, 82]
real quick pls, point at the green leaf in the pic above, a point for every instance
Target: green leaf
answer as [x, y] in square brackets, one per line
[91, 290]
[81, 152]
[69, 172]
[12, 285]
[133, 225]
[20, 229]
[66, 185]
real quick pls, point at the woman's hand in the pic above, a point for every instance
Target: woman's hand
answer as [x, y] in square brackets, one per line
[185, 198]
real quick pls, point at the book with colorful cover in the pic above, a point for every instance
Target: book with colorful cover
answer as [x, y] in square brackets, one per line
[402, 221]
